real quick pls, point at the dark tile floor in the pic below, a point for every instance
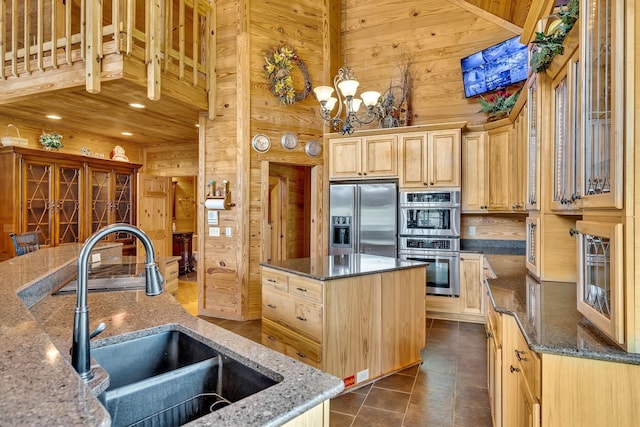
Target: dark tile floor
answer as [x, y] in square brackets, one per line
[449, 389]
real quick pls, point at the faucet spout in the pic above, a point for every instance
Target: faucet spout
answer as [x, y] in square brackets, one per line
[80, 354]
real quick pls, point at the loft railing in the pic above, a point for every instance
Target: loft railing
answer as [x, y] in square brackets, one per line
[172, 36]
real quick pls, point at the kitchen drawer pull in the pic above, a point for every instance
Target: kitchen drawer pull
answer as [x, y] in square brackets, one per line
[519, 357]
[301, 355]
[489, 335]
[302, 289]
[270, 338]
[272, 280]
[301, 318]
[271, 306]
[512, 369]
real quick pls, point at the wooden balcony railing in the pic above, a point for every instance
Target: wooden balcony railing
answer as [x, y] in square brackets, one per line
[170, 36]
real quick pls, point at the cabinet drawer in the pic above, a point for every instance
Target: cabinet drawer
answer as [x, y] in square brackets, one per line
[275, 279]
[529, 363]
[303, 316]
[293, 345]
[171, 271]
[306, 288]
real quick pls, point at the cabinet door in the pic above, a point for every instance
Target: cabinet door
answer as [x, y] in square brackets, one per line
[532, 258]
[38, 199]
[494, 377]
[380, 156]
[471, 271]
[600, 278]
[499, 169]
[443, 167]
[602, 57]
[101, 199]
[528, 407]
[532, 145]
[474, 173]
[345, 158]
[518, 163]
[413, 160]
[69, 207]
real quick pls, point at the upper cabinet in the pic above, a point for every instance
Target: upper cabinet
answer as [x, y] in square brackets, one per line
[474, 188]
[420, 156]
[532, 126]
[430, 159]
[602, 74]
[363, 157]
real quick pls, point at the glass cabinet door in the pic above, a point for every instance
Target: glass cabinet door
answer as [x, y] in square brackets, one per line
[68, 204]
[101, 200]
[602, 59]
[39, 199]
[533, 151]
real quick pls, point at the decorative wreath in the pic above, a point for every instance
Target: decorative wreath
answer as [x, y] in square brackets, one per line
[279, 65]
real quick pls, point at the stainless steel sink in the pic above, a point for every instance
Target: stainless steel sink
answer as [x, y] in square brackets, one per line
[170, 379]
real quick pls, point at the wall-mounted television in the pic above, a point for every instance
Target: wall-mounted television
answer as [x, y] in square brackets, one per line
[495, 67]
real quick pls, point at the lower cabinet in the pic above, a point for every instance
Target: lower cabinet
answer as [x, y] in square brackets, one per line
[171, 274]
[318, 416]
[356, 328]
[470, 305]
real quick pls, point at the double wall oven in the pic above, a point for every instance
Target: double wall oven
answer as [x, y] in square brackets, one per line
[429, 231]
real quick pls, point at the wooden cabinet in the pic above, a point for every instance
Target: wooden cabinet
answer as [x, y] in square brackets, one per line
[66, 197]
[493, 173]
[430, 159]
[600, 276]
[363, 157]
[532, 255]
[494, 362]
[532, 142]
[111, 191]
[357, 328]
[171, 273]
[470, 305]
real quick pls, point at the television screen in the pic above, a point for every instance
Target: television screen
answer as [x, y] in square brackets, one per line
[495, 67]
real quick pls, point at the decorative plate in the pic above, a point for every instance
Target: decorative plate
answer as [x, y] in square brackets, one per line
[289, 140]
[261, 143]
[313, 148]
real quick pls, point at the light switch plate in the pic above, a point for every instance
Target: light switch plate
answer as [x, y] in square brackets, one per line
[214, 231]
[228, 231]
[95, 258]
[212, 217]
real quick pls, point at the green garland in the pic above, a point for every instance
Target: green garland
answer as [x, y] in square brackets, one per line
[547, 46]
[280, 61]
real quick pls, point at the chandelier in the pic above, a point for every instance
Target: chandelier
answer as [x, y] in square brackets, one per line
[345, 86]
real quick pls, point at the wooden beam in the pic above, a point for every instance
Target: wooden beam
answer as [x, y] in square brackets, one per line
[54, 34]
[67, 32]
[195, 42]
[154, 68]
[181, 39]
[211, 62]
[509, 26]
[40, 34]
[92, 30]
[27, 26]
[539, 9]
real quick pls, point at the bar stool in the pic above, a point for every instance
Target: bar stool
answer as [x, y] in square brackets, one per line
[26, 242]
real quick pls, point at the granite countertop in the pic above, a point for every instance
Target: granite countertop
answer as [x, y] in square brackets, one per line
[39, 386]
[341, 266]
[547, 315]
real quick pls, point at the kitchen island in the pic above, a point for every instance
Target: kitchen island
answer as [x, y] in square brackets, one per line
[39, 386]
[357, 316]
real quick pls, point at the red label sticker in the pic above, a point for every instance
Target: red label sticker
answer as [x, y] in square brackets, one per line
[349, 381]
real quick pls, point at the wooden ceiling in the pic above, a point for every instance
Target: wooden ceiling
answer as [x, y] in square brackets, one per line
[108, 114]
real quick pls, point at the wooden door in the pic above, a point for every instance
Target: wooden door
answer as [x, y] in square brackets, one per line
[275, 220]
[154, 213]
[413, 160]
[443, 169]
[474, 173]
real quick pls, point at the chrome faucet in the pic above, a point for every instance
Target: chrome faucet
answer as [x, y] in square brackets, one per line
[80, 355]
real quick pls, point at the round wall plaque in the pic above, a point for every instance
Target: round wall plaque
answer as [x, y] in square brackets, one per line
[261, 143]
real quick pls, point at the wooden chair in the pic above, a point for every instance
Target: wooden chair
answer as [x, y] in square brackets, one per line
[26, 242]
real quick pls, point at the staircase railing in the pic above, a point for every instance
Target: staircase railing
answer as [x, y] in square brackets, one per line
[170, 36]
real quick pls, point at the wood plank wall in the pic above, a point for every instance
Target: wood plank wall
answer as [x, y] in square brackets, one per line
[435, 34]
[73, 140]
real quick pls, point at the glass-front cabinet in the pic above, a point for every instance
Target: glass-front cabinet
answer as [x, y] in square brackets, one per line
[533, 147]
[600, 278]
[52, 200]
[602, 54]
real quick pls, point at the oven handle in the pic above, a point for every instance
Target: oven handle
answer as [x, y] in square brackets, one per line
[427, 253]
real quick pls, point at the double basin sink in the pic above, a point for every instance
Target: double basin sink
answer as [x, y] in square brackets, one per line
[170, 378]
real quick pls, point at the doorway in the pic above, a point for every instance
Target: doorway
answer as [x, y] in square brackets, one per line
[289, 213]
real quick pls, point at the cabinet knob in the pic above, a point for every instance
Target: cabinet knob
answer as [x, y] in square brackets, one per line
[301, 355]
[425, 184]
[270, 338]
[512, 369]
[364, 174]
[573, 232]
[301, 318]
[489, 335]
[431, 183]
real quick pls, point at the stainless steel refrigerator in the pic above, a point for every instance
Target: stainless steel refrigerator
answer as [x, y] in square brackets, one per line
[363, 218]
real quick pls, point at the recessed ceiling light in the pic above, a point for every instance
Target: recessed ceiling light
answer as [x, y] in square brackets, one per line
[137, 105]
[126, 134]
[53, 117]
